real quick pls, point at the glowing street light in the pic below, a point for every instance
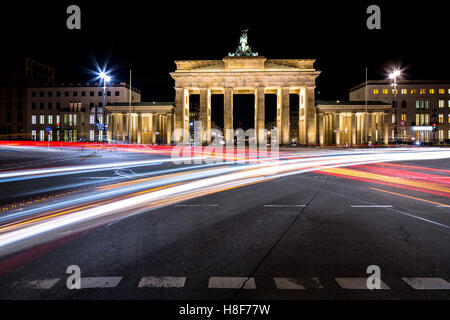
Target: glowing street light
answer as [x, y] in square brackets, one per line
[106, 78]
[393, 75]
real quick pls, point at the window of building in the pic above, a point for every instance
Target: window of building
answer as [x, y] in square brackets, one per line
[100, 135]
[75, 93]
[41, 94]
[91, 105]
[50, 106]
[431, 91]
[403, 116]
[423, 91]
[66, 93]
[376, 91]
[108, 93]
[427, 104]
[58, 106]
[70, 120]
[117, 93]
[74, 119]
[91, 135]
[403, 103]
[91, 93]
[404, 91]
[41, 135]
[33, 105]
[33, 135]
[441, 118]
[50, 93]
[41, 119]
[33, 93]
[100, 119]
[58, 119]
[427, 119]
[100, 104]
[41, 105]
[50, 119]
[83, 93]
[58, 93]
[393, 118]
[100, 94]
[394, 91]
[441, 91]
[50, 136]
[441, 135]
[385, 91]
[92, 119]
[448, 120]
[441, 103]
[66, 119]
[33, 119]
[413, 91]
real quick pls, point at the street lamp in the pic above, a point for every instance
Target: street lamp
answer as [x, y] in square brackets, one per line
[104, 76]
[393, 76]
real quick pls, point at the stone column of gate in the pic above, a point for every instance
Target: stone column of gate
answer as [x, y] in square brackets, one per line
[205, 114]
[374, 128]
[337, 127]
[310, 117]
[386, 128]
[169, 128]
[139, 128]
[122, 136]
[180, 114]
[353, 132]
[283, 126]
[228, 115]
[369, 127]
[321, 129]
[260, 110]
[110, 127]
[154, 127]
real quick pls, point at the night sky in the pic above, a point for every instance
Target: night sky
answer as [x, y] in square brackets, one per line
[147, 37]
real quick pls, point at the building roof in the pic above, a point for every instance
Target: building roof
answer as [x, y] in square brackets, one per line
[350, 103]
[141, 104]
[399, 82]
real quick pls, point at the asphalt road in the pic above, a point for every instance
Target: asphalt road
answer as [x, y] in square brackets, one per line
[304, 236]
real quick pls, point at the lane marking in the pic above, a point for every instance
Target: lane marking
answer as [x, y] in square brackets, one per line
[427, 283]
[357, 283]
[196, 205]
[36, 284]
[100, 282]
[162, 282]
[410, 197]
[231, 283]
[372, 206]
[283, 205]
[297, 283]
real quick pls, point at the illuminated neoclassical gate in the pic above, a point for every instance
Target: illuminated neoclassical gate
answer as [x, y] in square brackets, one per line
[246, 72]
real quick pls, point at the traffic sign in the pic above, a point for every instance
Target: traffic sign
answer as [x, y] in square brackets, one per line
[48, 129]
[403, 123]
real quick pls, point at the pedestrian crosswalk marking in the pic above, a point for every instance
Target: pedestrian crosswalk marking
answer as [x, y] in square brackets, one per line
[297, 283]
[100, 282]
[357, 283]
[427, 283]
[231, 283]
[162, 282]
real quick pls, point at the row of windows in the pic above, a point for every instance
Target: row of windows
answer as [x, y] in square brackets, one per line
[424, 119]
[74, 93]
[8, 117]
[412, 91]
[425, 104]
[73, 105]
[69, 119]
[66, 135]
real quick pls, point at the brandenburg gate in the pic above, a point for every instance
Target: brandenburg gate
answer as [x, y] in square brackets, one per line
[244, 72]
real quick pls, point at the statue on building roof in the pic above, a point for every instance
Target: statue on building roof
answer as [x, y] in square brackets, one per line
[243, 49]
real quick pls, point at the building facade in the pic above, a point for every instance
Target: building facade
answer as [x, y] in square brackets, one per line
[416, 105]
[15, 77]
[68, 110]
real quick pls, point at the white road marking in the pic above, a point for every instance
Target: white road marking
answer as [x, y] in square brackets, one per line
[372, 206]
[283, 205]
[231, 282]
[36, 284]
[100, 282]
[162, 282]
[297, 283]
[196, 205]
[357, 283]
[427, 283]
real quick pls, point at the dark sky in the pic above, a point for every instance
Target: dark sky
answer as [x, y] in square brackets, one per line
[148, 36]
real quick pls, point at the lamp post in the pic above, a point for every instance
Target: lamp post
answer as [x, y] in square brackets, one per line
[105, 79]
[393, 75]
